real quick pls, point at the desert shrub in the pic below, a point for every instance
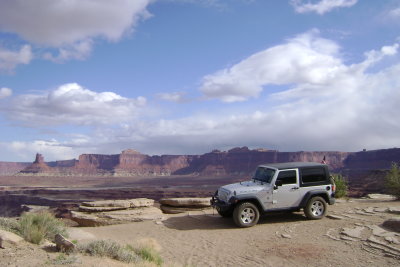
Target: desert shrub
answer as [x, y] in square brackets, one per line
[140, 255]
[63, 259]
[148, 249]
[9, 224]
[149, 254]
[341, 186]
[392, 180]
[35, 227]
[110, 249]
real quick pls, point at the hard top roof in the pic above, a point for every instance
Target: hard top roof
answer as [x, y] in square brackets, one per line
[291, 165]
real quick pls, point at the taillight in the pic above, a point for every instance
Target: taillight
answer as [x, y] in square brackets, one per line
[333, 188]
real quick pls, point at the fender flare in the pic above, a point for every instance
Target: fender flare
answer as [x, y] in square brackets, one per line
[311, 194]
[250, 198]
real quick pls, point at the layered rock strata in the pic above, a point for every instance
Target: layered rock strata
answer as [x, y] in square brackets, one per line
[109, 212]
[181, 205]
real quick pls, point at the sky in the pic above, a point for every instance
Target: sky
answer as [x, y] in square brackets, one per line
[191, 76]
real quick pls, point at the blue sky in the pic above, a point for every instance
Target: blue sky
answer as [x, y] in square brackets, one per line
[190, 76]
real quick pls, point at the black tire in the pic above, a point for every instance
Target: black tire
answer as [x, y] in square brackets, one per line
[246, 214]
[316, 208]
[226, 213]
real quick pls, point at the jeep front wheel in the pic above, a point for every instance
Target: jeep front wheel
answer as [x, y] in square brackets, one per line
[225, 213]
[246, 214]
[315, 209]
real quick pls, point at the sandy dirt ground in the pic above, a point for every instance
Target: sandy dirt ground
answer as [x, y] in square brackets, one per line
[286, 239]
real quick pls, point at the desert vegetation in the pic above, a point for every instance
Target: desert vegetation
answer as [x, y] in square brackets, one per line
[392, 180]
[341, 186]
[34, 227]
[37, 227]
[127, 253]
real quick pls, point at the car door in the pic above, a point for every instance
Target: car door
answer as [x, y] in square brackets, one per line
[287, 195]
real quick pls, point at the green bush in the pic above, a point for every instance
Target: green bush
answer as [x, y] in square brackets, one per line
[392, 180]
[341, 186]
[150, 254]
[35, 227]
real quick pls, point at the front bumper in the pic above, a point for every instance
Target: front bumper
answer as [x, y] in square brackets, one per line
[220, 205]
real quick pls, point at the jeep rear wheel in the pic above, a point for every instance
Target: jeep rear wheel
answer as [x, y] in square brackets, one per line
[246, 214]
[316, 208]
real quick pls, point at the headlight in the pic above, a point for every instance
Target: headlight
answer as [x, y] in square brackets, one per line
[223, 194]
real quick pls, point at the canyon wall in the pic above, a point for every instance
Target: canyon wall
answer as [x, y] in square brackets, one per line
[11, 168]
[237, 161]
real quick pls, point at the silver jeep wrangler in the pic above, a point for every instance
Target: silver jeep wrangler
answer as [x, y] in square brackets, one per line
[277, 187]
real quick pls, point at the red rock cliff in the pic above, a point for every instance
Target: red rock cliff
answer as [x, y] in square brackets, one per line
[237, 161]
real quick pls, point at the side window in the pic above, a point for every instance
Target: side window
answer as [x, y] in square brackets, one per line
[313, 175]
[287, 177]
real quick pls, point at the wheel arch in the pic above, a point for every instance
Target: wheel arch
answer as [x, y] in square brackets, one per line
[239, 200]
[311, 194]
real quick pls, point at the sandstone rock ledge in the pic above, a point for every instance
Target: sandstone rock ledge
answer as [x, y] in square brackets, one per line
[109, 212]
[181, 205]
[110, 205]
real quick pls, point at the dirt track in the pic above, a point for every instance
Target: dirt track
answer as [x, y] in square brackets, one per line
[206, 239]
[209, 240]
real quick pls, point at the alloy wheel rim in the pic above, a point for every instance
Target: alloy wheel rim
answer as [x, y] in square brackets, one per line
[247, 215]
[317, 208]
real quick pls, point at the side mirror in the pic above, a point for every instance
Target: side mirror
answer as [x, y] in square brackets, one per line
[277, 184]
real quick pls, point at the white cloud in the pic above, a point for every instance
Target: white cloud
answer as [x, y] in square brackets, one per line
[177, 97]
[320, 7]
[350, 109]
[71, 25]
[10, 59]
[5, 92]
[57, 23]
[73, 104]
[307, 58]
[330, 105]
[51, 150]
[394, 13]
[79, 51]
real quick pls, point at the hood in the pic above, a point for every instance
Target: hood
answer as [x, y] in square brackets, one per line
[245, 187]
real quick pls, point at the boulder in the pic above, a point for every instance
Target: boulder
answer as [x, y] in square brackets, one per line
[175, 210]
[116, 216]
[395, 210]
[63, 244]
[198, 202]
[392, 224]
[8, 237]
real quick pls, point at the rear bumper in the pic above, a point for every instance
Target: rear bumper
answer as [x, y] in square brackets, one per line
[332, 200]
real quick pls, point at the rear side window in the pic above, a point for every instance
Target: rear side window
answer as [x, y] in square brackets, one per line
[287, 177]
[313, 175]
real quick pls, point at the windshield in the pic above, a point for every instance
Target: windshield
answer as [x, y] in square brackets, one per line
[264, 174]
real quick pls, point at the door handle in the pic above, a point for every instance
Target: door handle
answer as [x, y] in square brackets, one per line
[295, 188]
